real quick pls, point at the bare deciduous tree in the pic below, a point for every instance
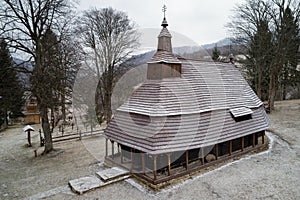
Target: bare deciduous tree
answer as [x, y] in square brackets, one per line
[110, 37]
[23, 24]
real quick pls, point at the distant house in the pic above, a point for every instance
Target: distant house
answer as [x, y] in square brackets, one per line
[31, 111]
[187, 115]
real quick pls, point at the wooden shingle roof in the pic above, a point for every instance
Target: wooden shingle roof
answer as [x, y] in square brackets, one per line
[203, 86]
[164, 56]
[189, 112]
[182, 132]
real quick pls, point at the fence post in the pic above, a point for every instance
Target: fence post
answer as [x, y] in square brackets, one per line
[41, 143]
[80, 135]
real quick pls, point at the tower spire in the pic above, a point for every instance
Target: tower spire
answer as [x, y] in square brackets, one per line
[164, 22]
[164, 38]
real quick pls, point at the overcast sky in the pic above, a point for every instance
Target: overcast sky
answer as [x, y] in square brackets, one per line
[203, 21]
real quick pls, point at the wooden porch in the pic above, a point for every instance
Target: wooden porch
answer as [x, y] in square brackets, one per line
[156, 169]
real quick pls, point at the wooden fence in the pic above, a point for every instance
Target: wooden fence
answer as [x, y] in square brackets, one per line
[71, 136]
[79, 135]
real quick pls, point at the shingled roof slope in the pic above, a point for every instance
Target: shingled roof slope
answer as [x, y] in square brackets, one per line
[181, 132]
[164, 56]
[204, 86]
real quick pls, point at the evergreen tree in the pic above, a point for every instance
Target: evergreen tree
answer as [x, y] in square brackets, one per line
[286, 43]
[52, 74]
[60, 65]
[216, 53]
[283, 17]
[11, 90]
[289, 40]
[259, 59]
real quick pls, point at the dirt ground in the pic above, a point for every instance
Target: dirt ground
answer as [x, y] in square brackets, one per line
[273, 174]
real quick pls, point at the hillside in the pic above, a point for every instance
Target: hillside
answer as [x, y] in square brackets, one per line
[202, 52]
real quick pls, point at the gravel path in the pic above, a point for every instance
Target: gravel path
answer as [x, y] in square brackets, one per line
[273, 174]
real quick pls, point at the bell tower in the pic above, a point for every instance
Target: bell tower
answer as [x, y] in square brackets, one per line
[164, 64]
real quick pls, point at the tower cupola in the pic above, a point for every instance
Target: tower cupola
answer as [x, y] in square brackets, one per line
[164, 64]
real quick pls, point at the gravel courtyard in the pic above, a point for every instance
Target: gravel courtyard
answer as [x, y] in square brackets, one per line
[273, 174]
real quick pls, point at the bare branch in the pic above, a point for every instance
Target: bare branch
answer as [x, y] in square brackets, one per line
[111, 37]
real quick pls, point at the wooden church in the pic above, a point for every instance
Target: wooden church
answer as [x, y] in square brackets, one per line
[187, 115]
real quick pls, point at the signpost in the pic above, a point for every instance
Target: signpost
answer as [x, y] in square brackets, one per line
[27, 129]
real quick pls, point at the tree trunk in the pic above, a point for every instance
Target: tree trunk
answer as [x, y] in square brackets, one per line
[46, 130]
[42, 99]
[63, 107]
[107, 80]
[5, 119]
[108, 111]
[259, 83]
[283, 92]
[298, 90]
[272, 92]
[107, 99]
[29, 138]
[52, 119]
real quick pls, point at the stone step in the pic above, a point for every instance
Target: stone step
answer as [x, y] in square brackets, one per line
[84, 184]
[108, 176]
[112, 173]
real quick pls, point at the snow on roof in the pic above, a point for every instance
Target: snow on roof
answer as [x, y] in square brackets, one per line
[28, 127]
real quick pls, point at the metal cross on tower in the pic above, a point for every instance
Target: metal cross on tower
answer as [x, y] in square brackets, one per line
[164, 9]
